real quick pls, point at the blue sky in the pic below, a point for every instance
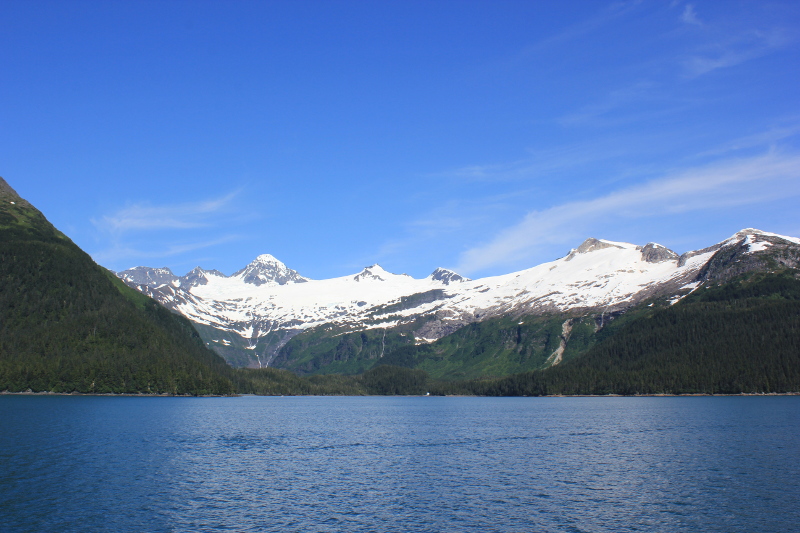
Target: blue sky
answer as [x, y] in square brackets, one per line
[486, 137]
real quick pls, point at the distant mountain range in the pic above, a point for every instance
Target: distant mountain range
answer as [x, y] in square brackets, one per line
[607, 318]
[267, 314]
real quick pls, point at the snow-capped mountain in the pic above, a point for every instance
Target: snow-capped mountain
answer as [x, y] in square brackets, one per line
[265, 269]
[250, 315]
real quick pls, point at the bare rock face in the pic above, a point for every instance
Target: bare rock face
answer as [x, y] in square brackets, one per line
[199, 276]
[750, 251]
[750, 235]
[371, 273]
[655, 253]
[150, 277]
[590, 245]
[447, 276]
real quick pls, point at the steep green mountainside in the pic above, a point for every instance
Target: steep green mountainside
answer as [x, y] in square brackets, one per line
[739, 337]
[492, 348]
[331, 349]
[336, 350]
[234, 349]
[67, 324]
[499, 347]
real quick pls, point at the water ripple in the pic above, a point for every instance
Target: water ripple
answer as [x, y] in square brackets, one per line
[399, 464]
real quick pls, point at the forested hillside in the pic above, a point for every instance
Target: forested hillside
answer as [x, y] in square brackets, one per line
[67, 324]
[740, 337]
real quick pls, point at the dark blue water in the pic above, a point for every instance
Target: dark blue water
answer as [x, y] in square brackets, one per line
[400, 464]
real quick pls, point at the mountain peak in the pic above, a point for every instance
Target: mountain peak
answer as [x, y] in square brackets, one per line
[266, 259]
[447, 276]
[199, 276]
[591, 244]
[756, 233]
[749, 231]
[267, 269]
[374, 272]
[151, 277]
[655, 253]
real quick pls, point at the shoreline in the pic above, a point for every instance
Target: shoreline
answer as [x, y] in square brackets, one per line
[167, 395]
[120, 394]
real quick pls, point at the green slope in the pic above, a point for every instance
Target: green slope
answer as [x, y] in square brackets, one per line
[740, 337]
[496, 347]
[67, 324]
[382, 380]
[492, 348]
[336, 350]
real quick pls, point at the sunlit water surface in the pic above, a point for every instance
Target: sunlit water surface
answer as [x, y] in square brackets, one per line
[719, 464]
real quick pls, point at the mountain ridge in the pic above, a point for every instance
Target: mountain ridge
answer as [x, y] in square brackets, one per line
[250, 323]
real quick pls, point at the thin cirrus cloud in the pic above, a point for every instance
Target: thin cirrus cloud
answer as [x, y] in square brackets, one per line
[455, 217]
[541, 161]
[787, 128]
[746, 46]
[689, 16]
[146, 231]
[617, 101]
[119, 252]
[143, 217]
[604, 16]
[728, 183]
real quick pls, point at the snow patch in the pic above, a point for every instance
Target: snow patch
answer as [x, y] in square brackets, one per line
[758, 246]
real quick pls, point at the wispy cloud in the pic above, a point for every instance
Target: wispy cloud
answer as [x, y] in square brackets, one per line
[119, 252]
[784, 129]
[743, 47]
[540, 162]
[729, 183]
[617, 100]
[689, 16]
[140, 217]
[144, 231]
[608, 14]
[433, 228]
